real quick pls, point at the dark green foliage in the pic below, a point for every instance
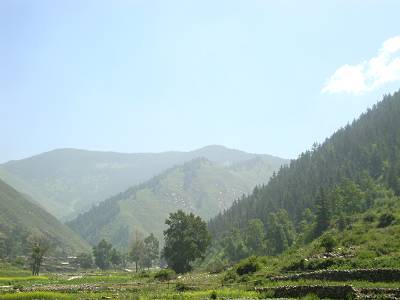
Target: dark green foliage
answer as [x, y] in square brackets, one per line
[186, 239]
[40, 245]
[329, 242]
[233, 245]
[137, 252]
[254, 237]
[386, 219]
[165, 275]
[115, 257]
[369, 218]
[342, 177]
[181, 287]
[280, 232]
[102, 254]
[323, 214]
[85, 260]
[151, 250]
[248, 266]
[213, 295]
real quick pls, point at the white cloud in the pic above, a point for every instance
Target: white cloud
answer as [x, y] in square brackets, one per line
[368, 75]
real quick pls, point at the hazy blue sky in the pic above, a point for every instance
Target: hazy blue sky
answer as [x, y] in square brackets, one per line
[137, 76]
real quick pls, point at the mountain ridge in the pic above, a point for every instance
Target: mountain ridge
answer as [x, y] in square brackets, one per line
[199, 186]
[68, 181]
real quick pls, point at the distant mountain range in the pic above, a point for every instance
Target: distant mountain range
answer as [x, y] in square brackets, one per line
[199, 186]
[67, 182]
[21, 219]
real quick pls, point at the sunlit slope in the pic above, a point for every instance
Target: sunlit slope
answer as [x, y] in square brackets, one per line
[200, 186]
[69, 181]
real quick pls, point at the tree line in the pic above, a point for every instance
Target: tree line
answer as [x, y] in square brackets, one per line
[343, 176]
[186, 239]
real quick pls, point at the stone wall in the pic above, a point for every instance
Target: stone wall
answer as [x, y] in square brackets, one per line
[323, 292]
[373, 275]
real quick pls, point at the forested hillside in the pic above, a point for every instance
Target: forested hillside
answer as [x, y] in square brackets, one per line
[198, 186]
[68, 181]
[21, 220]
[324, 187]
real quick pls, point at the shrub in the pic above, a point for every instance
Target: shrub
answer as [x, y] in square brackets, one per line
[299, 265]
[329, 242]
[386, 219]
[181, 287]
[213, 295]
[248, 266]
[144, 274]
[164, 275]
[230, 276]
[216, 266]
[369, 218]
[322, 264]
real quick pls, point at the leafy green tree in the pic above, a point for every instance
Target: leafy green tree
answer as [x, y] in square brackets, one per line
[254, 237]
[115, 258]
[186, 239]
[102, 254]
[137, 252]
[280, 232]
[85, 260]
[233, 246]
[40, 245]
[151, 250]
[329, 242]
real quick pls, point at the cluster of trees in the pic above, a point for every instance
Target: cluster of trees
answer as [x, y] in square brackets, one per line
[341, 177]
[143, 252]
[186, 240]
[255, 240]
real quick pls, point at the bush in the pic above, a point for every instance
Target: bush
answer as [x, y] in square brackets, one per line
[299, 265]
[181, 287]
[322, 264]
[369, 218]
[386, 219]
[329, 242]
[230, 276]
[248, 266]
[216, 266]
[164, 275]
[144, 274]
[213, 295]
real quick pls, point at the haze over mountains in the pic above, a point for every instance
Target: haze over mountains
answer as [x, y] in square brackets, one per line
[21, 219]
[199, 186]
[69, 181]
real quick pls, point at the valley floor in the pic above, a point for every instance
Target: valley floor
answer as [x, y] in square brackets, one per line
[18, 284]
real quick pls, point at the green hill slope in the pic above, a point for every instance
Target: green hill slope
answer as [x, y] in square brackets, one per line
[334, 181]
[69, 181]
[20, 218]
[199, 186]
